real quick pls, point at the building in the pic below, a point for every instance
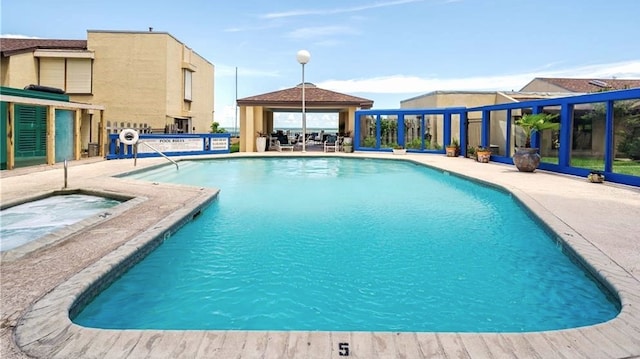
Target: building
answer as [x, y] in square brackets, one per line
[585, 130]
[556, 84]
[145, 80]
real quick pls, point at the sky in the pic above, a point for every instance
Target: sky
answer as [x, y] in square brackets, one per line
[386, 51]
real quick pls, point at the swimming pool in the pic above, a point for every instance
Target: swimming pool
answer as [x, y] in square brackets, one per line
[342, 244]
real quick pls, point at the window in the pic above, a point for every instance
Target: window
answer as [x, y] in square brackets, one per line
[187, 84]
[73, 75]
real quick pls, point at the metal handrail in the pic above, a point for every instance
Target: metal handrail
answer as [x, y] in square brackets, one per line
[135, 157]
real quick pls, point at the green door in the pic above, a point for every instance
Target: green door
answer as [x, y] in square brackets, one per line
[31, 135]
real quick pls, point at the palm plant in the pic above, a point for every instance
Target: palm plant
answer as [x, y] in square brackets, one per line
[531, 123]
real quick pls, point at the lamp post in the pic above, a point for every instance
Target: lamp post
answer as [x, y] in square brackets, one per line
[303, 57]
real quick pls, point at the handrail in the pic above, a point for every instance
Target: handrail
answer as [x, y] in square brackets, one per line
[65, 173]
[153, 148]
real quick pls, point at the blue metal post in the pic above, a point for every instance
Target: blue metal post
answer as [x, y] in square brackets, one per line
[356, 131]
[566, 128]
[507, 143]
[423, 131]
[400, 129]
[486, 128]
[447, 128]
[463, 133]
[378, 131]
[609, 150]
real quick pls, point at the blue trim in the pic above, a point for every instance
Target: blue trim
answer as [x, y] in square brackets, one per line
[463, 133]
[401, 129]
[566, 129]
[507, 150]
[485, 138]
[447, 128]
[118, 150]
[608, 140]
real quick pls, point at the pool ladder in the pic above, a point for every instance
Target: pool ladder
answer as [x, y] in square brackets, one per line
[135, 156]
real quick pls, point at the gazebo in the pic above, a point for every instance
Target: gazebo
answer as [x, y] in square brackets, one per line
[256, 112]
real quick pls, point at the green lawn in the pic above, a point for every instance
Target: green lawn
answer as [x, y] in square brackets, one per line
[619, 166]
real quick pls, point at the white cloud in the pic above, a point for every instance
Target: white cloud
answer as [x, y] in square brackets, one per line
[320, 31]
[293, 13]
[16, 36]
[398, 84]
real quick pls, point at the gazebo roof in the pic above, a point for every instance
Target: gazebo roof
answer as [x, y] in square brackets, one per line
[315, 97]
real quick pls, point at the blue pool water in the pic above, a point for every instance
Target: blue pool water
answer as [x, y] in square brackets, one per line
[347, 244]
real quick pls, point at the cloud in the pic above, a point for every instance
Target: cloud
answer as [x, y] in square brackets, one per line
[320, 31]
[16, 36]
[399, 84]
[294, 13]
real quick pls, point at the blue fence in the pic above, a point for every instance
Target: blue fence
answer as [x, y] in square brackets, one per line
[170, 145]
[592, 129]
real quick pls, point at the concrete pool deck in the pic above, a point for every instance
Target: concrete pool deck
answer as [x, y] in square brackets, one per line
[600, 222]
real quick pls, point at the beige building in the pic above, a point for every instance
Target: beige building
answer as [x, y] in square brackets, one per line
[144, 79]
[538, 88]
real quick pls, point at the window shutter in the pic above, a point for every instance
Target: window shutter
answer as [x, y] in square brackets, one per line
[187, 84]
[79, 76]
[52, 72]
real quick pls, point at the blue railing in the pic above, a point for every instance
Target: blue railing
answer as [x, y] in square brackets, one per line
[171, 145]
[565, 106]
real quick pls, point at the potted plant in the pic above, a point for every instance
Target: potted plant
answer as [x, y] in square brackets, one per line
[596, 177]
[483, 154]
[398, 149]
[347, 147]
[453, 149]
[261, 141]
[471, 152]
[527, 158]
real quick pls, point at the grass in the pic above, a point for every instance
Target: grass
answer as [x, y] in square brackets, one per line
[626, 167]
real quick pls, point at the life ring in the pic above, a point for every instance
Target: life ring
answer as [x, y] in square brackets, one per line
[129, 136]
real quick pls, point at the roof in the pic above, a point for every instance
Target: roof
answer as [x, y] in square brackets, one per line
[314, 97]
[11, 46]
[590, 85]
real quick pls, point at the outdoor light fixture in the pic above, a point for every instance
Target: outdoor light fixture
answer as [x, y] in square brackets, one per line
[303, 57]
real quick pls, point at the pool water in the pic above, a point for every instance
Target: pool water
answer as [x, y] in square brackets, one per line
[350, 245]
[30, 221]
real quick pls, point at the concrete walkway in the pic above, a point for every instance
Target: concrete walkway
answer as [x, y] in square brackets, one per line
[600, 222]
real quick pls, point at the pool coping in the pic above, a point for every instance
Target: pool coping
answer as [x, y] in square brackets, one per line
[45, 330]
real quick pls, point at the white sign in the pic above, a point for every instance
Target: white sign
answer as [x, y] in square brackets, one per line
[171, 145]
[220, 143]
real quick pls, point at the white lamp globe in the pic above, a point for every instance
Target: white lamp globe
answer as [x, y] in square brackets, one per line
[303, 56]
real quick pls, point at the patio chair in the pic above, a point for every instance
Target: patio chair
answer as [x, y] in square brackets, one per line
[283, 143]
[331, 143]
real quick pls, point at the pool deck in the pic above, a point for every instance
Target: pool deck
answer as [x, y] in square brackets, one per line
[600, 222]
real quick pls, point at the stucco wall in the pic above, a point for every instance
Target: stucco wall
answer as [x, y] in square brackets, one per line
[19, 70]
[130, 76]
[538, 85]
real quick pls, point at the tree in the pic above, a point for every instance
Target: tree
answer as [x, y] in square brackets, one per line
[626, 115]
[215, 128]
[536, 123]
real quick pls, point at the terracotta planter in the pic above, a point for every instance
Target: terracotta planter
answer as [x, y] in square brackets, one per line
[483, 156]
[452, 151]
[596, 177]
[526, 159]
